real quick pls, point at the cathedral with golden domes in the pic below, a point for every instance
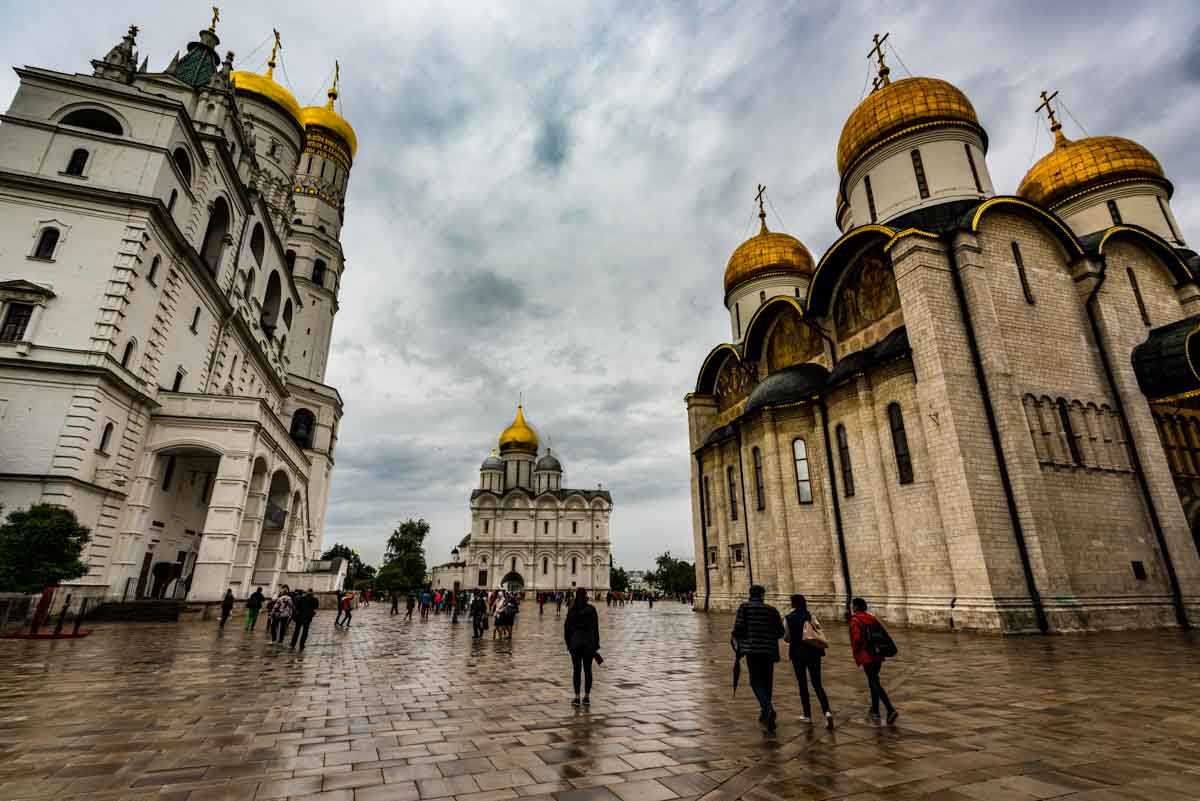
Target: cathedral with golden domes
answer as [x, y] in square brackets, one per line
[976, 410]
[528, 531]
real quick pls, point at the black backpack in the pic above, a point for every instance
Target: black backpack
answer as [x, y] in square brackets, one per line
[877, 641]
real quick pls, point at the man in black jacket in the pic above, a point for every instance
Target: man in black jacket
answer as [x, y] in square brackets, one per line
[253, 604]
[756, 632]
[306, 609]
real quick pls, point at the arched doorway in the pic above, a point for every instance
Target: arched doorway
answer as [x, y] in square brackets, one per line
[268, 562]
[513, 582]
[178, 502]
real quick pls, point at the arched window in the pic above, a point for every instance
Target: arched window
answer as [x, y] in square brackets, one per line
[77, 162]
[762, 296]
[318, 273]
[46, 244]
[214, 235]
[94, 120]
[304, 425]
[843, 443]
[760, 495]
[803, 479]
[127, 355]
[1068, 430]
[171, 200]
[258, 242]
[290, 258]
[184, 163]
[729, 477]
[574, 565]
[919, 172]
[514, 527]
[545, 565]
[105, 437]
[485, 531]
[514, 564]
[270, 307]
[287, 315]
[150, 276]
[196, 320]
[904, 468]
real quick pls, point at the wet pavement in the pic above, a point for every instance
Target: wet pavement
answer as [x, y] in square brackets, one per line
[395, 711]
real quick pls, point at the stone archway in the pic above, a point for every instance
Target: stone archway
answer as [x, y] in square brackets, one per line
[513, 582]
[268, 562]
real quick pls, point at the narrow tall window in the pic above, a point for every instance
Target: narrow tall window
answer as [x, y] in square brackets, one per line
[171, 200]
[127, 356]
[974, 171]
[290, 258]
[485, 526]
[514, 527]
[150, 276]
[759, 493]
[1064, 418]
[318, 273]
[195, 319]
[545, 565]
[514, 564]
[737, 315]
[870, 197]
[545, 526]
[1166, 216]
[904, 468]
[732, 493]
[919, 171]
[803, 480]
[46, 244]
[168, 473]
[105, 437]
[574, 526]
[77, 162]
[843, 443]
[1016, 249]
[707, 502]
[762, 296]
[177, 384]
[1137, 295]
[16, 320]
[1114, 212]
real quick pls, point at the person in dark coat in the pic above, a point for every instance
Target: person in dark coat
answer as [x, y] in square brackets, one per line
[582, 634]
[253, 605]
[306, 609]
[756, 630]
[871, 663]
[226, 607]
[806, 658]
[478, 616]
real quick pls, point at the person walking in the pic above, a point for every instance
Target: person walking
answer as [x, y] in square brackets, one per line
[806, 648]
[478, 616]
[253, 604]
[756, 632]
[306, 609]
[581, 631]
[871, 645]
[410, 603]
[347, 609]
[395, 603]
[558, 601]
[226, 607]
[281, 614]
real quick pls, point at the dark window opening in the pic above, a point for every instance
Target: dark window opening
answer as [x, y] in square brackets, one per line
[290, 258]
[574, 527]
[1064, 416]
[206, 490]
[574, 565]
[482, 578]
[318, 273]
[759, 490]
[195, 320]
[904, 468]
[168, 473]
[304, 428]
[94, 120]
[105, 437]
[803, 480]
[1016, 250]
[150, 276]
[46, 244]
[733, 509]
[1139, 570]
[178, 382]
[843, 443]
[1114, 212]
[214, 236]
[870, 197]
[545, 566]
[919, 171]
[16, 320]
[514, 527]
[545, 527]
[1137, 296]
[184, 163]
[974, 171]
[258, 244]
[706, 506]
[485, 526]
[77, 162]
[737, 315]
[127, 356]
[171, 200]
[762, 297]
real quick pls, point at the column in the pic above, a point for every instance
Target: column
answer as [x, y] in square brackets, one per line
[876, 442]
[214, 562]
[773, 484]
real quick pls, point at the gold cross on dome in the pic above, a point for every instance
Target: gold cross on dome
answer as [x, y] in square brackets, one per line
[215, 19]
[274, 52]
[1055, 125]
[762, 214]
[877, 52]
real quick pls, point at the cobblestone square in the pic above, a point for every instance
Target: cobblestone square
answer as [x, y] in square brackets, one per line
[396, 711]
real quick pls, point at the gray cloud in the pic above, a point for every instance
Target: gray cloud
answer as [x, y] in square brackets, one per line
[545, 197]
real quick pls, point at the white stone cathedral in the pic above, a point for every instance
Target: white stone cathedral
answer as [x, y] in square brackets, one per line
[169, 272]
[529, 532]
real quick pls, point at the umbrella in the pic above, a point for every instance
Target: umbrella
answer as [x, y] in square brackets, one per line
[737, 663]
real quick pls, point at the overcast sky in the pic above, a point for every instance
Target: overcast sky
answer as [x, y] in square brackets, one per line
[546, 193]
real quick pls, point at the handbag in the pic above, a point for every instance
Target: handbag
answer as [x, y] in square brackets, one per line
[812, 635]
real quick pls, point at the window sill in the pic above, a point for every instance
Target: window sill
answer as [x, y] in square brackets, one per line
[66, 174]
[193, 329]
[40, 258]
[105, 454]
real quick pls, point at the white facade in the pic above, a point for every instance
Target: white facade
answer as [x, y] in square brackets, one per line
[150, 326]
[529, 532]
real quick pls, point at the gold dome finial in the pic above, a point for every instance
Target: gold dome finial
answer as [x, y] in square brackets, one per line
[1055, 125]
[519, 436]
[762, 215]
[212, 28]
[275, 48]
[877, 51]
[333, 90]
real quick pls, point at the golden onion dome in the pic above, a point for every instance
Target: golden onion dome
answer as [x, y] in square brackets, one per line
[765, 253]
[519, 436]
[1073, 167]
[264, 87]
[898, 107]
[327, 117]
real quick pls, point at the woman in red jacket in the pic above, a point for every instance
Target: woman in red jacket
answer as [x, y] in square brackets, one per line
[862, 623]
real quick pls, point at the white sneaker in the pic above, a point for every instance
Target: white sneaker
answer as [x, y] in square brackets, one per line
[805, 719]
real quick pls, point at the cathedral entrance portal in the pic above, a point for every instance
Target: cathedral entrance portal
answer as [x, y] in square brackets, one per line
[513, 582]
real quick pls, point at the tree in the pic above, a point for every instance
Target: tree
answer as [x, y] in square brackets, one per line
[40, 547]
[618, 579]
[355, 567]
[674, 576]
[405, 553]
